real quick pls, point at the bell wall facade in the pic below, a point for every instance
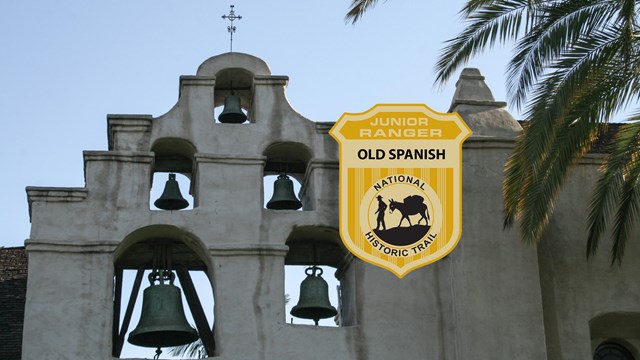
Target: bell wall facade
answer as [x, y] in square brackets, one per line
[491, 298]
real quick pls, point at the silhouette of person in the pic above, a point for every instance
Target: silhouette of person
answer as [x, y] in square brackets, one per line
[381, 208]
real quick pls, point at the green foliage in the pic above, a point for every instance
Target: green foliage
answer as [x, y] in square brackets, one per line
[574, 68]
[576, 65]
[617, 191]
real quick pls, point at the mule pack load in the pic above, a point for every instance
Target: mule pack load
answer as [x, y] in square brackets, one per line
[414, 201]
[413, 204]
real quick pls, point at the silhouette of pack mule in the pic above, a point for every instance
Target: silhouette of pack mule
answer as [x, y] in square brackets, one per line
[412, 205]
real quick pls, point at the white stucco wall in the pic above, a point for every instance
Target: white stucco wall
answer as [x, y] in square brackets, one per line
[492, 298]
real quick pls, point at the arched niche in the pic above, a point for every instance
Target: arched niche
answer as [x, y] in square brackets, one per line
[236, 81]
[615, 330]
[173, 155]
[321, 246]
[189, 251]
[290, 158]
[233, 60]
[188, 257]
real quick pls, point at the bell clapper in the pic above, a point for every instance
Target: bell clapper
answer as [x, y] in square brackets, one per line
[158, 352]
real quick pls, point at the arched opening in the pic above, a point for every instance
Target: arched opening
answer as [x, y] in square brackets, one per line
[173, 160]
[235, 82]
[319, 246]
[615, 336]
[611, 350]
[135, 261]
[288, 159]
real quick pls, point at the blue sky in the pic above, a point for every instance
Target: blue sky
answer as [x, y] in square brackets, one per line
[66, 64]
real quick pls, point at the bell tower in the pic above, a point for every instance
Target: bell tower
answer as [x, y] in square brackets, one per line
[230, 129]
[84, 239]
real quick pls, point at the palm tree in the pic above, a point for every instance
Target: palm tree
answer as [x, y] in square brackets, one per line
[576, 65]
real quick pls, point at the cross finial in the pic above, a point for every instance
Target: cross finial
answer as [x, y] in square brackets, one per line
[231, 28]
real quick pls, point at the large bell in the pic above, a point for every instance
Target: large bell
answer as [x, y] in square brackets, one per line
[162, 320]
[232, 112]
[314, 298]
[171, 198]
[283, 197]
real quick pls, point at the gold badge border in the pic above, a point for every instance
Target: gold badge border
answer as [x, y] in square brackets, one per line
[465, 132]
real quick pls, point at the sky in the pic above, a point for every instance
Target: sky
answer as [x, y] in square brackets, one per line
[66, 64]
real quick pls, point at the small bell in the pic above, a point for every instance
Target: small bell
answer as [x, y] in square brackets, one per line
[171, 198]
[283, 196]
[162, 320]
[314, 297]
[232, 112]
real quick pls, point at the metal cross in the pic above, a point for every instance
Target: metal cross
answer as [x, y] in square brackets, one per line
[232, 16]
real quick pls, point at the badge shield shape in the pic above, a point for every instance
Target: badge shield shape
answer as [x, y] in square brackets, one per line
[400, 184]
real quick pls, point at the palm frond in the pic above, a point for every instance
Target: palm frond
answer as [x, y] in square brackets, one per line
[627, 209]
[495, 22]
[560, 27]
[473, 5]
[514, 176]
[357, 9]
[606, 194]
[572, 139]
[576, 65]
[587, 88]
[523, 163]
[194, 350]
[588, 67]
[617, 184]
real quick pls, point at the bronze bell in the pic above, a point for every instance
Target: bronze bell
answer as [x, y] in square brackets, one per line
[162, 320]
[314, 297]
[232, 112]
[171, 198]
[283, 196]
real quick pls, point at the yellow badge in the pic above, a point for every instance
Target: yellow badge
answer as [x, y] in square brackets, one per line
[400, 184]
